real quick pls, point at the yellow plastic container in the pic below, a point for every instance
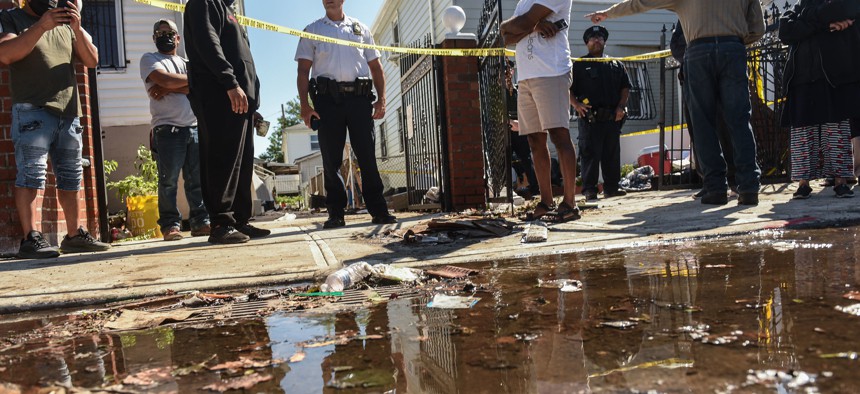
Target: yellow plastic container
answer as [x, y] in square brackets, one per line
[143, 216]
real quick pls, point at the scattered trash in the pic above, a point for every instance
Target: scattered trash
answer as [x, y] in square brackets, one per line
[465, 226]
[347, 276]
[527, 337]
[241, 383]
[136, 320]
[637, 180]
[535, 232]
[451, 272]
[441, 301]
[773, 379]
[564, 285]
[244, 363]
[397, 274]
[320, 294]
[621, 324]
[852, 295]
[432, 195]
[149, 378]
[298, 357]
[286, 218]
[850, 309]
[847, 355]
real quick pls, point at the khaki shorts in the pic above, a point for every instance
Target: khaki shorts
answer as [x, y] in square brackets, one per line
[543, 104]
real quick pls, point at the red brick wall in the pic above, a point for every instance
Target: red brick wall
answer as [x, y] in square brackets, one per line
[49, 217]
[465, 148]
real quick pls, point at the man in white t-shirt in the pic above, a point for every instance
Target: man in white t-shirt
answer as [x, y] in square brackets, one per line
[539, 30]
[174, 133]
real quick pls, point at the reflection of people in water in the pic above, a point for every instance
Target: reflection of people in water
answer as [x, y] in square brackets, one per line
[372, 361]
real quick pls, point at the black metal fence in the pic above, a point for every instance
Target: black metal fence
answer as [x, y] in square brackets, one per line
[494, 115]
[99, 18]
[425, 154]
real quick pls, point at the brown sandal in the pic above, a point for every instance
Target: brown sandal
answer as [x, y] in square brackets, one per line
[530, 216]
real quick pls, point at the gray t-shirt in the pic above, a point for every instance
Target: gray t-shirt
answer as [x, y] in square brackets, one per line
[174, 109]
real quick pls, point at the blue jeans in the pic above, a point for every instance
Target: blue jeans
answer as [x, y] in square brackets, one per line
[38, 132]
[177, 149]
[716, 77]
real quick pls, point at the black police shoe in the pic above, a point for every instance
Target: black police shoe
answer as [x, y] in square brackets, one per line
[253, 232]
[334, 222]
[748, 199]
[226, 235]
[384, 219]
[715, 198]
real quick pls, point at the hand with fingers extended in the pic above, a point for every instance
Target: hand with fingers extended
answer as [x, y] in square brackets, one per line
[546, 29]
[74, 15]
[581, 109]
[157, 92]
[841, 25]
[307, 114]
[55, 17]
[378, 109]
[238, 100]
[597, 17]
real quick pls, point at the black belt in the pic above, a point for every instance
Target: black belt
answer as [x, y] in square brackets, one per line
[171, 128]
[717, 40]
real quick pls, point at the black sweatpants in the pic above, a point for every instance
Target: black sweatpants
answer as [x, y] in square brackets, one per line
[600, 147]
[353, 113]
[226, 156]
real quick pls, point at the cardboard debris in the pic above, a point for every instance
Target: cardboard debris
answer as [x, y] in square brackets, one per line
[441, 301]
[137, 320]
[468, 226]
[535, 232]
[451, 272]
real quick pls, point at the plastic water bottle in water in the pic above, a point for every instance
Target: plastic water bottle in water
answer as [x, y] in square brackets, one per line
[346, 277]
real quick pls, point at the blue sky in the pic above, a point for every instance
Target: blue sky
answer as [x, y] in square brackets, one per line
[274, 52]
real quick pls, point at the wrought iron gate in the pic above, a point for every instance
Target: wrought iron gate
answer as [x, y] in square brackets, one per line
[494, 116]
[424, 143]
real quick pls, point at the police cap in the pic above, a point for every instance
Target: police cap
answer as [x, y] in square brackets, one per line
[595, 31]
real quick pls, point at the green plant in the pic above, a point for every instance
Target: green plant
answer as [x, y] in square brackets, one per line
[144, 183]
[626, 169]
[295, 202]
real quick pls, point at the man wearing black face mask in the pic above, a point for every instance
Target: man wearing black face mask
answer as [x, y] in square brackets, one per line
[40, 43]
[224, 96]
[174, 133]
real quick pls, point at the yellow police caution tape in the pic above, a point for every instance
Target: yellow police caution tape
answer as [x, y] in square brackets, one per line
[258, 24]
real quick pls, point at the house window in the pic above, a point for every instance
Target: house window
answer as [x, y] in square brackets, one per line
[383, 141]
[400, 133]
[315, 142]
[395, 33]
[640, 105]
[103, 20]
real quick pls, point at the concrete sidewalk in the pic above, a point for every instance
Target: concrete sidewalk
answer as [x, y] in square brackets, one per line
[300, 250]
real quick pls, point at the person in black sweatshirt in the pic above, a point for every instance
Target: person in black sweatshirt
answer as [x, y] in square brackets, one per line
[224, 94]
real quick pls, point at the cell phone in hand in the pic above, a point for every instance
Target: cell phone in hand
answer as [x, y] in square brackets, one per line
[561, 24]
[62, 3]
[315, 123]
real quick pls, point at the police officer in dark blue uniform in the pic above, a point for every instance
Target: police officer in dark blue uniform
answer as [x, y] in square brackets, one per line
[338, 79]
[599, 95]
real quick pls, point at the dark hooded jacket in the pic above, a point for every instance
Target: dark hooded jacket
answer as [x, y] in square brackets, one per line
[815, 52]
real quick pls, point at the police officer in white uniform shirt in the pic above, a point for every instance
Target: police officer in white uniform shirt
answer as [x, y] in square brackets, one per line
[338, 79]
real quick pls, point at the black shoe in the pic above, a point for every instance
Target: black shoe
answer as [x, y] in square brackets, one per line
[843, 191]
[715, 198]
[227, 235]
[83, 242]
[334, 222]
[700, 193]
[590, 196]
[748, 198]
[803, 192]
[385, 219]
[614, 193]
[253, 232]
[36, 247]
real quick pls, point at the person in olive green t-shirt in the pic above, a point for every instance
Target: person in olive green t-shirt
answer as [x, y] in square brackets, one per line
[40, 44]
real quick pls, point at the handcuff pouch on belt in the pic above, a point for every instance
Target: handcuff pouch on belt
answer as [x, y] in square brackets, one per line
[322, 86]
[598, 115]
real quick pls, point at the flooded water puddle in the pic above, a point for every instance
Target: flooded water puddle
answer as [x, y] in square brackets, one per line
[771, 312]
